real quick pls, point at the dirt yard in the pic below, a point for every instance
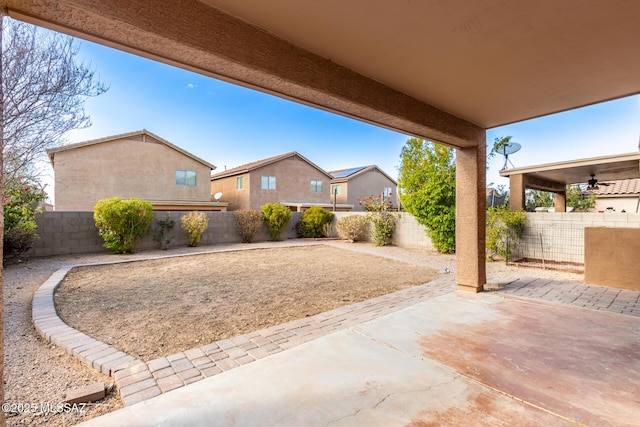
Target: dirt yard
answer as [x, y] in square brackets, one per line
[151, 309]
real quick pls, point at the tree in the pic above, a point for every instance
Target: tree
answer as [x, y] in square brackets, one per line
[44, 89]
[538, 199]
[427, 184]
[578, 200]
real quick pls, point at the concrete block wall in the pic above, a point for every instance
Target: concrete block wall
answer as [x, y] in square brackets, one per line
[64, 233]
[560, 236]
[408, 232]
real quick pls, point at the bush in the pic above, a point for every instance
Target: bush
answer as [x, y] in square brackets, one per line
[313, 222]
[504, 229]
[352, 227]
[21, 203]
[121, 222]
[277, 217]
[161, 232]
[248, 222]
[194, 224]
[383, 225]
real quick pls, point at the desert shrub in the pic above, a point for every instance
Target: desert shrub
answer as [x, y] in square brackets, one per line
[121, 222]
[313, 221]
[352, 227]
[248, 222]
[327, 229]
[383, 225]
[504, 230]
[277, 217]
[21, 204]
[194, 224]
[162, 230]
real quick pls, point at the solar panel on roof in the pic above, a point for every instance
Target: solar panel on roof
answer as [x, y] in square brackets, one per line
[346, 172]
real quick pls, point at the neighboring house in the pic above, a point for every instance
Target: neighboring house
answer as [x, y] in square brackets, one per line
[289, 179]
[618, 196]
[137, 164]
[350, 185]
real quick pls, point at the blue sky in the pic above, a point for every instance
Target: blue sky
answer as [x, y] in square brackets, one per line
[228, 125]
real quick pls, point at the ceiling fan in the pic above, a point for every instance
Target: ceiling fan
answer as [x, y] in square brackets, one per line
[593, 183]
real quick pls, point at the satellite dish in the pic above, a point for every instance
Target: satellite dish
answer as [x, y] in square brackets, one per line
[217, 196]
[506, 149]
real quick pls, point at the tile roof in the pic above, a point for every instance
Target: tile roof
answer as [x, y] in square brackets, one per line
[619, 187]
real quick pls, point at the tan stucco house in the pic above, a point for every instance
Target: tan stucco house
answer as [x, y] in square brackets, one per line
[289, 179]
[350, 185]
[622, 195]
[136, 164]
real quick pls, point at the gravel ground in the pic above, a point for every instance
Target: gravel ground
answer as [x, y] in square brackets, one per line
[38, 372]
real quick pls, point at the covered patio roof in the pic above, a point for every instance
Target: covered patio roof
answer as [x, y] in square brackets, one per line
[554, 177]
[607, 168]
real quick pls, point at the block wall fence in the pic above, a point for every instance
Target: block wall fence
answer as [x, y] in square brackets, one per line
[64, 233]
[547, 235]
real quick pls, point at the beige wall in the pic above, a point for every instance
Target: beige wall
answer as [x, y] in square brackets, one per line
[611, 257]
[124, 168]
[293, 183]
[628, 204]
[365, 185]
[237, 199]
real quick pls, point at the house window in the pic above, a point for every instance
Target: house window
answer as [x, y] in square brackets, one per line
[387, 192]
[240, 183]
[186, 178]
[268, 182]
[316, 186]
[335, 189]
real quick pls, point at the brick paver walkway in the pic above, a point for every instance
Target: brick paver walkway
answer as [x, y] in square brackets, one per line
[577, 294]
[138, 381]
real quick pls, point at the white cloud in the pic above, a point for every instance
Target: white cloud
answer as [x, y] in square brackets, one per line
[191, 86]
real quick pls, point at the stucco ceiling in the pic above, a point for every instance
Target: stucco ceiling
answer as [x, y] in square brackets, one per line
[491, 62]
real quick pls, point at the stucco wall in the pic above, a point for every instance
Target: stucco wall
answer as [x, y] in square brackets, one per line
[611, 257]
[293, 183]
[63, 233]
[237, 199]
[126, 168]
[365, 185]
[628, 204]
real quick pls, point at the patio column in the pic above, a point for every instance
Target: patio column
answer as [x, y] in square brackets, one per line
[516, 192]
[560, 201]
[471, 216]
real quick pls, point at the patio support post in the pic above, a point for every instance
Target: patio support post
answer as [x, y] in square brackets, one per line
[560, 201]
[471, 216]
[516, 192]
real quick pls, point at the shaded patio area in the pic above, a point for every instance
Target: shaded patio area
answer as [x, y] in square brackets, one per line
[493, 358]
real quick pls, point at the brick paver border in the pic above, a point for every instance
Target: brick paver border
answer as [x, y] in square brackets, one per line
[137, 380]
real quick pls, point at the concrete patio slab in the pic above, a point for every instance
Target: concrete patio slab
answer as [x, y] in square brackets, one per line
[457, 359]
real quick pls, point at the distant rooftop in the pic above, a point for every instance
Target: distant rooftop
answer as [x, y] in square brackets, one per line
[343, 173]
[619, 187]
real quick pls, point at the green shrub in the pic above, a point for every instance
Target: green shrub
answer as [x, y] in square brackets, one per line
[21, 204]
[504, 229]
[383, 225]
[313, 222]
[277, 217]
[122, 222]
[194, 224]
[248, 222]
[352, 227]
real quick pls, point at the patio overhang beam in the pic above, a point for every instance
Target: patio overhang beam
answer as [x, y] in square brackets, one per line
[208, 41]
